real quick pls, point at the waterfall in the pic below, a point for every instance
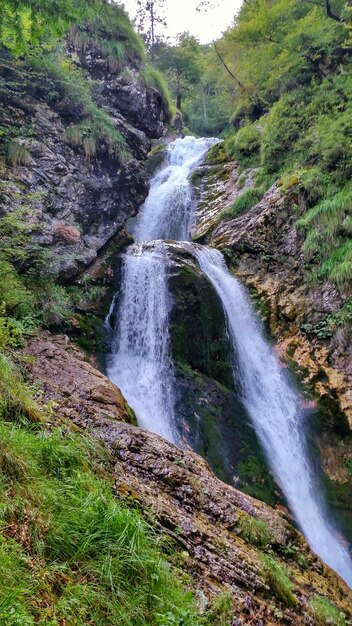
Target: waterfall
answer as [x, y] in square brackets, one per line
[274, 410]
[141, 364]
[166, 212]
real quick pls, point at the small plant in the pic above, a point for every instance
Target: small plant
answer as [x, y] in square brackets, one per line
[279, 582]
[254, 531]
[244, 202]
[325, 612]
[220, 611]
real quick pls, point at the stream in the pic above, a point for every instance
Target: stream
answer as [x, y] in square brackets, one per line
[140, 363]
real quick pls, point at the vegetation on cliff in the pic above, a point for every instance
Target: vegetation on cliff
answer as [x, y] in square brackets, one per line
[290, 66]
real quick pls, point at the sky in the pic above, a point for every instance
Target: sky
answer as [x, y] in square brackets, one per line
[181, 16]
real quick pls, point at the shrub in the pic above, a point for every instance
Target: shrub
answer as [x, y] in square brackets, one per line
[244, 145]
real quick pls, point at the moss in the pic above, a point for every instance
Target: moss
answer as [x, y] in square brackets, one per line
[196, 306]
[132, 419]
[91, 334]
[255, 478]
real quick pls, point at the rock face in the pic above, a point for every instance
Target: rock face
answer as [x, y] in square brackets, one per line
[208, 522]
[77, 390]
[77, 205]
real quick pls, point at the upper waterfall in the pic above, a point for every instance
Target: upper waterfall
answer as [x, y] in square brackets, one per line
[166, 213]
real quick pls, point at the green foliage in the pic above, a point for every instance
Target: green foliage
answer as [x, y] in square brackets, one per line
[93, 559]
[279, 582]
[325, 612]
[16, 398]
[192, 74]
[153, 78]
[254, 531]
[111, 31]
[244, 202]
[26, 25]
[244, 145]
[291, 82]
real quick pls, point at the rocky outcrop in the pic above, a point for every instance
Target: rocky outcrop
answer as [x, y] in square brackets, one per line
[212, 527]
[71, 385]
[76, 204]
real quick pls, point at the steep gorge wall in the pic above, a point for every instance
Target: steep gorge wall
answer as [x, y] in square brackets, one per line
[76, 202]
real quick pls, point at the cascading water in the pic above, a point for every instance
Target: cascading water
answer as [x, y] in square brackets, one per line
[141, 364]
[166, 213]
[275, 414]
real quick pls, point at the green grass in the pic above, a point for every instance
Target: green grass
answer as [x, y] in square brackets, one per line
[69, 550]
[151, 77]
[254, 531]
[244, 202]
[279, 582]
[325, 612]
[111, 31]
[16, 153]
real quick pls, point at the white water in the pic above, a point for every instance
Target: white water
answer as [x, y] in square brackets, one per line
[166, 212]
[274, 410]
[141, 365]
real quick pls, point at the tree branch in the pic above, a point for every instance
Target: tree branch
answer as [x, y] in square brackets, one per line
[228, 69]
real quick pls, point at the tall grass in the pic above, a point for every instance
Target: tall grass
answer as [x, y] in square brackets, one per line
[279, 581]
[70, 552]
